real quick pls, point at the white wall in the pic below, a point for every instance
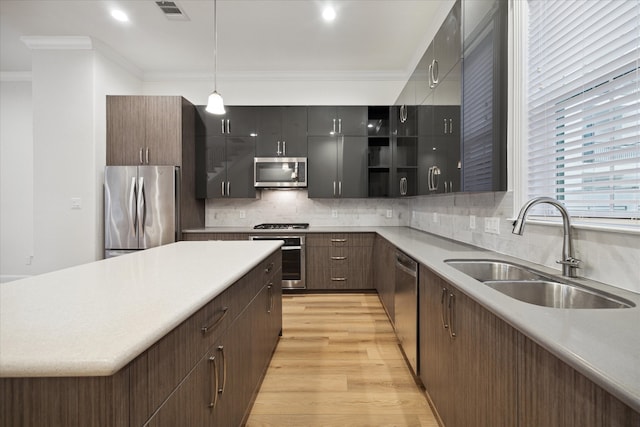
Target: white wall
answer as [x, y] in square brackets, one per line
[16, 179]
[53, 149]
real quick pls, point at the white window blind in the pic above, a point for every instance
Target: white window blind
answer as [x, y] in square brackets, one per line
[584, 105]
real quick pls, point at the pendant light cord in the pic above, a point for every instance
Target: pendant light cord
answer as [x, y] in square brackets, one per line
[215, 47]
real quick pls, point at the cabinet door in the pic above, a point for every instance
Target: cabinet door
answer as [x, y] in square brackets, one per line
[352, 121]
[240, 154]
[405, 119]
[214, 162]
[352, 167]
[447, 42]
[163, 130]
[242, 121]
[383, 274]
[269, 130]
[322, 166]
[125, 129]
[321, 120]
[422, 76]
[294, 131]
[435, 350]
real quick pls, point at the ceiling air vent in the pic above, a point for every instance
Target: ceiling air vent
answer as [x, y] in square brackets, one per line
[172, 11]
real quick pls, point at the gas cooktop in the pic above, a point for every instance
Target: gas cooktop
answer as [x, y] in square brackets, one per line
[282, 226]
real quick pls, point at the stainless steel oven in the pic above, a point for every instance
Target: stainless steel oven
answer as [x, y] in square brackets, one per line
[293, 260]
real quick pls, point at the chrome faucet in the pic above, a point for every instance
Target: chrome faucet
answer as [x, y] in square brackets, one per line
[569, 263]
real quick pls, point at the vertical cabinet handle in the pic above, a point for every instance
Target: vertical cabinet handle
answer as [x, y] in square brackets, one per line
[451, 126]
[445, 126]
[451, 309]
[443, 296]
[228, 126]
[434, 72]
[340, 188]
[270, 303]
[146, 155]
[284, 148]
[334, 188]
[278, 152]
[213, 400]
[340, 126]
[222, 188]
[224, 369]
[140, 155]
[334, 126]
[228, 188]
[430, 74]
[222, 123]
[446, 190]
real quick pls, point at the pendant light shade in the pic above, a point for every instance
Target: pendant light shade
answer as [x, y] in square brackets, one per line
[215, 105]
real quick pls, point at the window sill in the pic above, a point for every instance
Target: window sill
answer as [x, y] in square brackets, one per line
[621, 226]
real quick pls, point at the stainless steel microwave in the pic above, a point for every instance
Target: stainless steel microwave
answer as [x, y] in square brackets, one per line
[280, 172]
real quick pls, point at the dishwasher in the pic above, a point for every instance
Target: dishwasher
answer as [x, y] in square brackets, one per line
[406, 307]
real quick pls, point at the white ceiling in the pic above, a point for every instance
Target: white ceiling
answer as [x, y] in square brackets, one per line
[277, 37]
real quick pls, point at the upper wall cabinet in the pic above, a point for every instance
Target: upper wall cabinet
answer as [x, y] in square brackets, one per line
[144, 130]
[282, 132]
[350, 120]
[225, 147]
[484, 96]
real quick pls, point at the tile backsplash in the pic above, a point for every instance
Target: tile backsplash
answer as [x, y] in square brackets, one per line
[296, 206]
[609, 257]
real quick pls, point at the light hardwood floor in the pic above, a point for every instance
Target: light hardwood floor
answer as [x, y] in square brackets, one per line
[338, 364]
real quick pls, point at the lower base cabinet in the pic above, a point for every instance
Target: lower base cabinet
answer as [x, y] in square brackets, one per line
[384, 258]
[339, 261]
[188, 378]
[467, 357]
[479, 371]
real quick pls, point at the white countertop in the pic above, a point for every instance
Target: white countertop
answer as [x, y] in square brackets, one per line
[93, 319]
[602, 344]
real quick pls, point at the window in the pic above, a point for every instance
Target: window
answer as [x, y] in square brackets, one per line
[583, 102]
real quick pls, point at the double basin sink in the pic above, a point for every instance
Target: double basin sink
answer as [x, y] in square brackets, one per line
[533, 287]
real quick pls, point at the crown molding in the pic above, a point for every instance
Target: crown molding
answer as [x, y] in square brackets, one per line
[295, 76]
[16, 76]
[58, 42]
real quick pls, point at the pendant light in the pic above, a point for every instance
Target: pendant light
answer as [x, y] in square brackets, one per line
[215, 105]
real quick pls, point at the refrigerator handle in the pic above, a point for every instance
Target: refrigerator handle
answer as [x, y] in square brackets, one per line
[133, 217]
[142, 208]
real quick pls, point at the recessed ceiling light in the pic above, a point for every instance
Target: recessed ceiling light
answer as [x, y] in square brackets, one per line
[119, 15]
[329, 14]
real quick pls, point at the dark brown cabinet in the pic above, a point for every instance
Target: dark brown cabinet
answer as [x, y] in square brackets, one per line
[467, 357]
[339, 261]
[146, 130]
[157, 130]
[383, 274]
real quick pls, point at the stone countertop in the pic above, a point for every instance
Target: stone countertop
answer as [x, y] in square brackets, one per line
[93, 319]
[602, 344]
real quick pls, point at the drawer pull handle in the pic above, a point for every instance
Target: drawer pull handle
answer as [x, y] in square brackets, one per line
[224, 370]
[268, 269]
[338, 240]
[214, 392]
[338, 258]
[338, 279]
[205, 329]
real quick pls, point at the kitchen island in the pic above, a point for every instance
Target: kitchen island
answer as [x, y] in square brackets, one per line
[114, 341]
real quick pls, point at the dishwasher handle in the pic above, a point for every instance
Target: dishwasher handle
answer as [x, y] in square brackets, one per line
[406, 264]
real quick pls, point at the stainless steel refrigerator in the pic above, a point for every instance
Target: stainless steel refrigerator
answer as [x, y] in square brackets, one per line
[141, 207]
